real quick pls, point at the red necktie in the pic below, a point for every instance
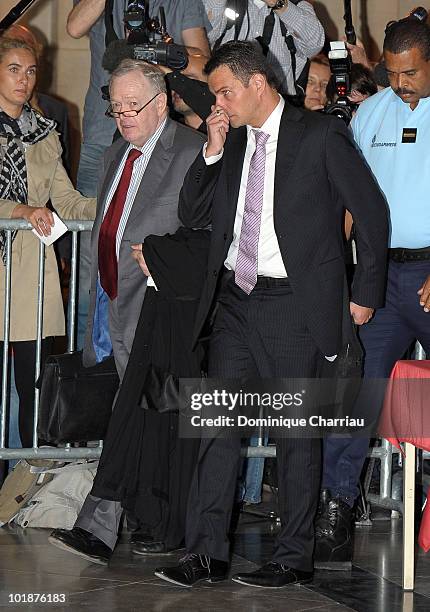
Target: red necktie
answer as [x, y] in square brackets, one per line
[108, 264]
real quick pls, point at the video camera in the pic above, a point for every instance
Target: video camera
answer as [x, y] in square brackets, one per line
[149, 38]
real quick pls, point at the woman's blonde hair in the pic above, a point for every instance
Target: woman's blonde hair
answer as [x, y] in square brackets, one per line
[10, 44]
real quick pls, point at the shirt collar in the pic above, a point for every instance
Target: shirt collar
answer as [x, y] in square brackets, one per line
[271, 125]
[405, 105]
[151, 142]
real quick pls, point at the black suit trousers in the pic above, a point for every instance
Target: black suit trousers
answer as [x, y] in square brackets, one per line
[262, 335]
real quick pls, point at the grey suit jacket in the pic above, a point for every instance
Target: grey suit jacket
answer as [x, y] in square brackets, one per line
[154, 211]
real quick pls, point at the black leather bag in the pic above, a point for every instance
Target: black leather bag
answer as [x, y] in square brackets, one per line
[75, 402]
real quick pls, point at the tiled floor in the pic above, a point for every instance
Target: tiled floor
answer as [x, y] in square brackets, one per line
[28, 564]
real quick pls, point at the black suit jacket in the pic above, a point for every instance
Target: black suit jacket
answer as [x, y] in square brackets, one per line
[318, 172]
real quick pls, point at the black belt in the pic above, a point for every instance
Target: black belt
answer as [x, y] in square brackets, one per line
[266, 282]
[263, 282]
[406, 255]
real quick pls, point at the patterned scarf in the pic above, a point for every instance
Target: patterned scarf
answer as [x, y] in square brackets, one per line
[15, 135]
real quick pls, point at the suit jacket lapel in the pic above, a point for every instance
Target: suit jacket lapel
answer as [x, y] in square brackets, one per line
[156, 170]
[106, 185]
[235, 155]
[110, 174]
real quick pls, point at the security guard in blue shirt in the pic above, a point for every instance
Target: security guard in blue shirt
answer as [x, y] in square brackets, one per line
[392, 130]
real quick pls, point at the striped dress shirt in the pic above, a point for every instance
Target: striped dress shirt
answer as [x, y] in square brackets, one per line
[139, 168]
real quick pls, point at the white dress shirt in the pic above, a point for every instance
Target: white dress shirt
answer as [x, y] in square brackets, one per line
[270, 261]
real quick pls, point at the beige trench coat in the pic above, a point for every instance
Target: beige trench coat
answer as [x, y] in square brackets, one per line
[47, 180]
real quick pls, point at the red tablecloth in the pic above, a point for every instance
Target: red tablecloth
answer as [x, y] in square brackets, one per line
[406, 418]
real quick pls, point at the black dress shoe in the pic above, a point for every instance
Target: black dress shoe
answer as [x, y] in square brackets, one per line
[333, 537]
[194, 568]
[274, 576]
[152, 548]
[139, 537]
[82, 543]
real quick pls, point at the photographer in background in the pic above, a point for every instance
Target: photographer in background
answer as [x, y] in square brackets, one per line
[321, 87]
[194, 87]
[186, 23]
[319, 76]
[277, 25]
[190, 95]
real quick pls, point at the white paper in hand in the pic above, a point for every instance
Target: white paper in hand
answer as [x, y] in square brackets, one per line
[57, 231]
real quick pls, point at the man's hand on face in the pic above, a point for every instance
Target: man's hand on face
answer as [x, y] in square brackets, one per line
[360, 314]
[218, 125]
[424, 293]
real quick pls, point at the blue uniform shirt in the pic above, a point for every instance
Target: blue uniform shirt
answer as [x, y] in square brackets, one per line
[401, 169]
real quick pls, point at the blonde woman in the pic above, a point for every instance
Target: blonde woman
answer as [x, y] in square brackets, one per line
[31, 175]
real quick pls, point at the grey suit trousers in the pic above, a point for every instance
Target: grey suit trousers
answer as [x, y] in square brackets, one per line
[101, 517]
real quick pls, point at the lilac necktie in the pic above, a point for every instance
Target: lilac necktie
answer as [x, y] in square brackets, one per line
[245, 275]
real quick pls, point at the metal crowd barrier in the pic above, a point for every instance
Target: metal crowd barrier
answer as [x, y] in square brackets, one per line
[67, 452]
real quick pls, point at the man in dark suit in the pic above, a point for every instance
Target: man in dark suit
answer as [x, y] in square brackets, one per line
[137, 196]
[271, 191]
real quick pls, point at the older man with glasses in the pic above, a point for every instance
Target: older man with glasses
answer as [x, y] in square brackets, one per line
[137, 196]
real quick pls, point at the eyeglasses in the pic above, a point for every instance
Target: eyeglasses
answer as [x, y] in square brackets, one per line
[128, 113]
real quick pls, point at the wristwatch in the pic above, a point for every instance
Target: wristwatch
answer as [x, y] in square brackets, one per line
[279, 4]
